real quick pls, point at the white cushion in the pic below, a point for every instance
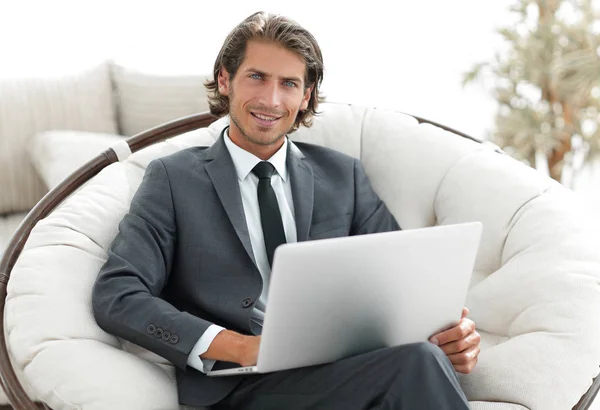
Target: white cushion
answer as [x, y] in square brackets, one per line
[80, 102]
[57, 154]
[534, 296]
[537, 252]
[147, 100]
[488, 405]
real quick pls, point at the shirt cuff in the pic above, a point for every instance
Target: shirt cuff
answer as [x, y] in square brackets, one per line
[202, 345]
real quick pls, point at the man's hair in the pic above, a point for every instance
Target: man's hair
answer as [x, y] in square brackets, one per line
[279, 30]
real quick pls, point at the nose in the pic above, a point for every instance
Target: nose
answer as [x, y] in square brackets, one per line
[271, 94]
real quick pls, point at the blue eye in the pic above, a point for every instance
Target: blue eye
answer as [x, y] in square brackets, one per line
[255, 76]
[289, 84]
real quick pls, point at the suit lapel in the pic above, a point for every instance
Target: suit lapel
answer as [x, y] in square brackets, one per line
[221, 171]
[302, 180]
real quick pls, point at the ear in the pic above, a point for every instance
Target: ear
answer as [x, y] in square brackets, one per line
[306, 98]
[223, 81]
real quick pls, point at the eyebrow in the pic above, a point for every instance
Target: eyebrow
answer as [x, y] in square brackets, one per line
[257, 71]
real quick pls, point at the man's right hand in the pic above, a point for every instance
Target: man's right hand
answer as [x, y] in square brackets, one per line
[233, 347]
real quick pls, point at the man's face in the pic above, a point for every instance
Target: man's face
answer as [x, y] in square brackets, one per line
[264, 96]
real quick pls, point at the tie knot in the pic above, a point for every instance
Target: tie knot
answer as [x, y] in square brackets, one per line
[263, 169]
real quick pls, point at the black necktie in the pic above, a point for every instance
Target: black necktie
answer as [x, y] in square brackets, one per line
[270, 217]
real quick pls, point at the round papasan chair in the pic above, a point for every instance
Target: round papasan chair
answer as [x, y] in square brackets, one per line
[534, 295]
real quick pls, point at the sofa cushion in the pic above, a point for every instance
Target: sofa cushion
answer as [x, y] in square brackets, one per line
[82, 101]
[57, 154]
[147, 100]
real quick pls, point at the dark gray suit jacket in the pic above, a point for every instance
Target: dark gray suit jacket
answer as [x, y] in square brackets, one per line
[183, 259]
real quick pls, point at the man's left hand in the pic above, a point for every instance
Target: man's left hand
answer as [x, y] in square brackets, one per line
[460, 343]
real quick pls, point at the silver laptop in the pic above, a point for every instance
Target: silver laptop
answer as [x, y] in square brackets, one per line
[335, 298]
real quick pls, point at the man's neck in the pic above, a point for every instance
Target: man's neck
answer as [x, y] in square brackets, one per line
[264, 152]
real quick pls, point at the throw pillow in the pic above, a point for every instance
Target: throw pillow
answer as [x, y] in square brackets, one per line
[57, 154]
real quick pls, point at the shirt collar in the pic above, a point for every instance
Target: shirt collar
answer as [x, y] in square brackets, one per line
[245, 161]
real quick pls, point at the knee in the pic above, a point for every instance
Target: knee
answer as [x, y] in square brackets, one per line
[425, 349]
[422, 351]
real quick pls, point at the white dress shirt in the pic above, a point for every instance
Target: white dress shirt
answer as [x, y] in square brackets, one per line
[244, 162]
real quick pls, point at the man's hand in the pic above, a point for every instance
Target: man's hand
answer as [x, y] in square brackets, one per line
[248, 355]
[460, 343]
[233, 347]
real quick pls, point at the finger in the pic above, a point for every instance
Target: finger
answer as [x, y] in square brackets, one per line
[464, 328]
[463, 344]
[466, 357]
[465, 312]
[467, 368]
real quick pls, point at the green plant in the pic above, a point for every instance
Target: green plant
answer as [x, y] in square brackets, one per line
[547, 84]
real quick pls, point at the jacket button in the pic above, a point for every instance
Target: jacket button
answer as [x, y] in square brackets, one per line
[158, 332]
[174, 339]
[151, 329]
[246, 302]
[166, 336]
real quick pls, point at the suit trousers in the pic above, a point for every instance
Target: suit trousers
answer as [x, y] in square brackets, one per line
[414, 376]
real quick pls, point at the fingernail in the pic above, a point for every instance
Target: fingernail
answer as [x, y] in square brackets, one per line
[434, 341]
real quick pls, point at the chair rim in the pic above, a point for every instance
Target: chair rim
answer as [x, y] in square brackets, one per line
[8, 380]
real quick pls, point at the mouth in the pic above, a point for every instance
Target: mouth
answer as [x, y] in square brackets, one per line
[265, 120]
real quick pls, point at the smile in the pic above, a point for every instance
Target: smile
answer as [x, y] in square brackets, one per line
[264, 120]
[265, 117]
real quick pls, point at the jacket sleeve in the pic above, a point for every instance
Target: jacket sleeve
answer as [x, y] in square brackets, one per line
[370, 213]
[126, 295]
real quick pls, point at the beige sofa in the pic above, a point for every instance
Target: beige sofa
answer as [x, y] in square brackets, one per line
[108, 101]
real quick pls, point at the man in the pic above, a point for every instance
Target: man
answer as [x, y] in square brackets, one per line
[188, 273]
